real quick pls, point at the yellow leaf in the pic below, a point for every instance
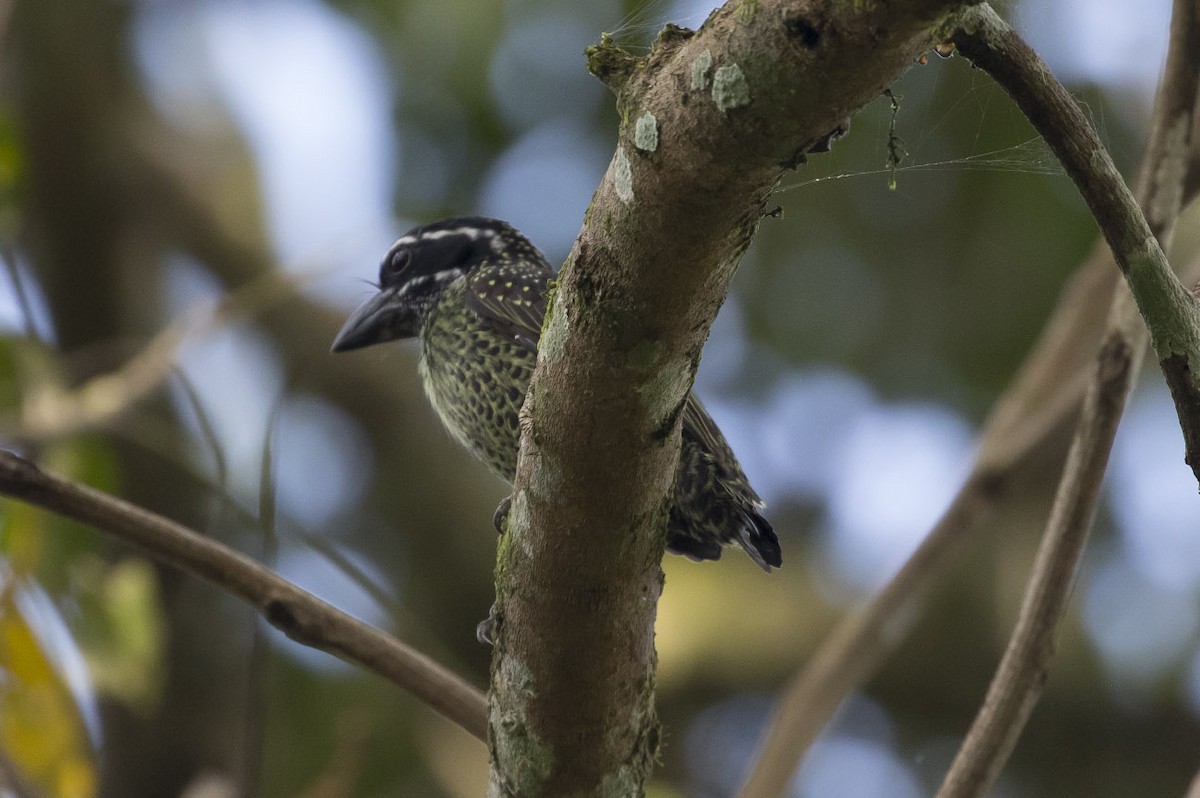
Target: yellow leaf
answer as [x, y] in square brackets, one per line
[42, 732]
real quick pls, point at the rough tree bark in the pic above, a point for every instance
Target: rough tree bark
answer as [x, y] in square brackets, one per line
[709, 123]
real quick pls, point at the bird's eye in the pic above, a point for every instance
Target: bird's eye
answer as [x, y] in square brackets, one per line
[397, 264]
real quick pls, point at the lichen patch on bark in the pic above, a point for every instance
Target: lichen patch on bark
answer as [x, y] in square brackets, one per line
[729, 89]
[645, 134]
[623, 176]
[700, 66]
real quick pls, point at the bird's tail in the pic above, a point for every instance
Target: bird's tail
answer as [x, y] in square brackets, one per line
[759, 540]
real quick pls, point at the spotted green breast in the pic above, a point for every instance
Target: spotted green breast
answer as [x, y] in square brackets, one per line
[478, 349]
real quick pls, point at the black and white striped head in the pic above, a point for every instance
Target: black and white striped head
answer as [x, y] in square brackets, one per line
[418, 267]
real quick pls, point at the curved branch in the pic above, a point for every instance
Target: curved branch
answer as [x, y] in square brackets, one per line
[1046, 391]
[1169, 309]
[1018, 682]
[1023, 670]
[856, 647]
[300, 615]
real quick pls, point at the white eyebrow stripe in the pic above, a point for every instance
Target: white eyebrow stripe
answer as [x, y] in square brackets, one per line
[434, 235]
[472, 233]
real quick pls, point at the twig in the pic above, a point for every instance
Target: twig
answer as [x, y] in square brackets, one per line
[859, 643]
[1018, 682]
[258, 664]
[297, 613]
[1170, 311]
[1022, 673]
[49, 412]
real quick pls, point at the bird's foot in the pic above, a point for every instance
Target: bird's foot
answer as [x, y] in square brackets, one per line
[485, 632]
[500, 517]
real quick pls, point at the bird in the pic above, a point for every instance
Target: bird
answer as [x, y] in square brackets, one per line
[473, 291]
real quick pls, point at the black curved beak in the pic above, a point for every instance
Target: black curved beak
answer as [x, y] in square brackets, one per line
[386, 316]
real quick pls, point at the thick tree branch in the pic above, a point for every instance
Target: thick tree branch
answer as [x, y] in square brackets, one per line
[709, 124]
[1046, 390]
[297, 613]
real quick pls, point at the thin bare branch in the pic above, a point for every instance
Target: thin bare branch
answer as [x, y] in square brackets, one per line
[297, 613]
[50, 412]
[1047, 389]
[859, 643]
[1169, 309]
[1025, 666]
[1023, 671]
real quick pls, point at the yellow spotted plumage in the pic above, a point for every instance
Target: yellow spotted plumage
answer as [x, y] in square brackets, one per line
[473, 291]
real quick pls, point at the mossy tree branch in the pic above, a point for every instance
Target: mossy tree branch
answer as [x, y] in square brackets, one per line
[709, 124]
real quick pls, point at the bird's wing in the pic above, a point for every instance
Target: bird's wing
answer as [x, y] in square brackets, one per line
[699, 424]
[512, 297]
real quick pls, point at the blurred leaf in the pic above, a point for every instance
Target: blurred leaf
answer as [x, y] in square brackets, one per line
[124, 635]
[12, 173]
[23, 531]
[41, 729]
[47, 546]
[88, 459]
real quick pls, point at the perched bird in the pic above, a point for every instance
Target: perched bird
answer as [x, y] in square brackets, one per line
[473, 291]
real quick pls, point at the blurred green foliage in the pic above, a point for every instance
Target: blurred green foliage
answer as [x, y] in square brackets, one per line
[931, 292]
